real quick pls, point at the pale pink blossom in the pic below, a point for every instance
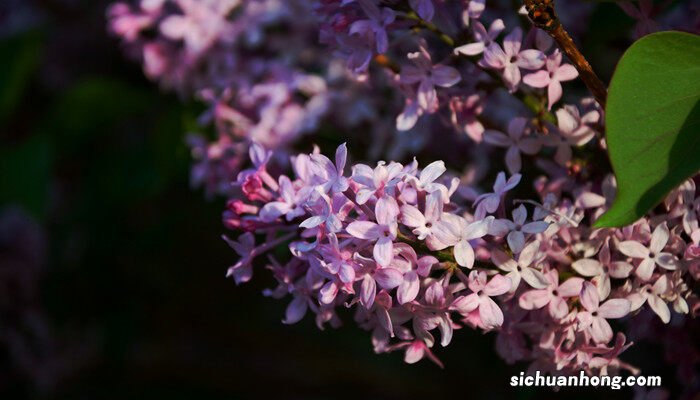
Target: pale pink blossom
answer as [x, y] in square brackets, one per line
[516, 141]
[510, 59]
[552, 77]
[554, 296]
[383, 231]
[594, 319]
[490, 315]
[427, 76]
[652, 255]
[457, 232]
[488, 203]
[524, 268]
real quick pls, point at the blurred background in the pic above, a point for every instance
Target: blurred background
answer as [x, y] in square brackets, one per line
[112, 269]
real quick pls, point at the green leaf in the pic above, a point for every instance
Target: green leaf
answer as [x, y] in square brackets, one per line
[653, 122]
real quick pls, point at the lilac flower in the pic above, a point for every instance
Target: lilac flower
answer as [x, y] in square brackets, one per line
[326, 214]
[423, 224]
[384, 231]
[643, 15]
[428, 176]
[296, 309]
[456, 231]
[523, 268]
[330, 175]
[264, 85]
[552, 77]
[515, 141]
[416, 350]
[554, 296]
[573, 130]
[200, 25]
[375, 182]
[290, 205]
[489, 202]
[651, 256]
[357, 51]
[242, 271]
[337, 262]
[473, 10]
[517, 228]
[464, 113]
[652, 295]
[490, 314]
[577, 128]
[603, 269]
[427, 76]
[510, 59]
[482, 38]
[376, 25]
[594, 319]
[348, 253]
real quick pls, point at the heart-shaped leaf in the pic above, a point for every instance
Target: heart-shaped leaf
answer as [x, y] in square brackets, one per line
[653, 122]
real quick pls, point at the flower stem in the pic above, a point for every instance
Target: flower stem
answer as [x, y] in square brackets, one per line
[543, 16]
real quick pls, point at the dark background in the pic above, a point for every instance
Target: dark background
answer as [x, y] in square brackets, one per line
[131, 289]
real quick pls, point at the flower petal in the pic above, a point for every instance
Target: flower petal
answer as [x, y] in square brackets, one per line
[534, 299]
[388, 278]
[497, 286]
[633, 249]
[383, 251]
[587, 267]
[589, 297]
[408, 290]
[295, 310]
[490, 314]
[464, 254]
[614, 308]
[363, 229]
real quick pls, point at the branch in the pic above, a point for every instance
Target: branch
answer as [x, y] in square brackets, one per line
[543, 16]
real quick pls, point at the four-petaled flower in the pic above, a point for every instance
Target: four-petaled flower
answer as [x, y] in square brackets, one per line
[488, 203]
[651, 256]
[330, 175]
[423, 223]
[376, 25]
[456, 231]
[517, 228]
[522, 268]
[552, 77]
[510, 59]
[594, 319]
[516, 141]
[490, 315]
[427, 76]
[383, 231]
[554, 296]
[482, 38]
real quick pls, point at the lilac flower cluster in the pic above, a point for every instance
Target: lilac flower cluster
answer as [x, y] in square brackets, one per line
[259, 67]
[419, 252]
[397, 244]
[246, 60]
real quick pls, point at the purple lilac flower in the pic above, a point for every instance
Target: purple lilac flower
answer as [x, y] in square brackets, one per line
[510, 59]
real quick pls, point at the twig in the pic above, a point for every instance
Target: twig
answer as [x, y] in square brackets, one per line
[543, 16]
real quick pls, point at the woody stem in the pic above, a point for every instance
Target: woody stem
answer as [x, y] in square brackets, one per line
[543, 16]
